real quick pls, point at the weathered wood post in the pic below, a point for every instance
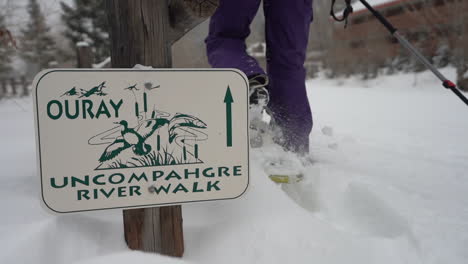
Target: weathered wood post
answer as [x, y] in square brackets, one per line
[13, 89]
[142, 32]
[4, 88]
[25, 85]
[84, 55]
[139, 35]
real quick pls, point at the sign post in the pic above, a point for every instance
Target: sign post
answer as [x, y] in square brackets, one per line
[139, 31]
[123, 138]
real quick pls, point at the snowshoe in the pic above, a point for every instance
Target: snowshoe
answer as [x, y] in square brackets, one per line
[284, 178]
[285, 169]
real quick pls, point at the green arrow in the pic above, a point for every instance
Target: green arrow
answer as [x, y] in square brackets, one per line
[228, 101]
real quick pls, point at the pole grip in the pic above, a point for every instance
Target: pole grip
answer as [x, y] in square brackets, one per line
[459, 94]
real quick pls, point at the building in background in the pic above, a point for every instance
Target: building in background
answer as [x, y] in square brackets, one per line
[439, 28]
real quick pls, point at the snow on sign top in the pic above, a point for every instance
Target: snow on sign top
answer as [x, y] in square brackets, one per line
[134, 138]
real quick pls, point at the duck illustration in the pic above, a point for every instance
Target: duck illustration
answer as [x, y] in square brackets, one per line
[132, 138]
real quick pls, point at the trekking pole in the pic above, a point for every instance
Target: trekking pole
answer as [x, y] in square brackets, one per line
[403, 41]
[407, 45]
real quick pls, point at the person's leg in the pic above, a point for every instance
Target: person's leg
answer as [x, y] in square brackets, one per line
[229, 27]
[287, 32]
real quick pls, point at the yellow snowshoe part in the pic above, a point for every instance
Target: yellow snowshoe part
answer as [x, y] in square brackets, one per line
[286, 178]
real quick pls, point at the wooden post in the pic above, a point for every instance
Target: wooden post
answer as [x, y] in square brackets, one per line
[140, 35]
[14, 91]
[25, 85]
[84, 55]
[4, 88]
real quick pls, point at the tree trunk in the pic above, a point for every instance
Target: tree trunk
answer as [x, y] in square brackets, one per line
[25, 85]
[14, 91]
[139, 35]
[4, 91]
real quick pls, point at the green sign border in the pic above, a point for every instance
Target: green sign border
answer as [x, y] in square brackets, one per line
[131, 70]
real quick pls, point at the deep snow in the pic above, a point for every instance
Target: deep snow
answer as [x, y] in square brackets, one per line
[389, 185]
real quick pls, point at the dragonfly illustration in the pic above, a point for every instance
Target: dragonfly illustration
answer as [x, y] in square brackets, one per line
[132, 88]
[150, 86]
[96, 90]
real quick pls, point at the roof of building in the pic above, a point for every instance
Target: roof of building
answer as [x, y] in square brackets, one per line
[358, 7]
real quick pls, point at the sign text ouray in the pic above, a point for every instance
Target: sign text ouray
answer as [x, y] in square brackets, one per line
[84, 109]
[104, 186]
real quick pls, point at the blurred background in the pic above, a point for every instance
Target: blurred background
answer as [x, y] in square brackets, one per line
[40, 34]
[388, 181]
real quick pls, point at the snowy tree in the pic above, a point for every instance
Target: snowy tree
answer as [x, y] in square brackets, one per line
[37, 45]
[321, 38]
[442, 55]
[453, 33]
[460, 54]
[6, 51]
[86, 20]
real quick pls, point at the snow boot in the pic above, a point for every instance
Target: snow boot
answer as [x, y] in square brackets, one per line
[258, 98]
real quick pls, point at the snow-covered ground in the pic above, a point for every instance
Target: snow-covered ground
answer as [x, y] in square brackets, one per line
[389, 185]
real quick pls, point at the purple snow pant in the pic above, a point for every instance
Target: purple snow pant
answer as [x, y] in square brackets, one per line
[286, 31]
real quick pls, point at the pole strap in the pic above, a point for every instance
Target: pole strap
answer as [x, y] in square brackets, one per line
[346, 12]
